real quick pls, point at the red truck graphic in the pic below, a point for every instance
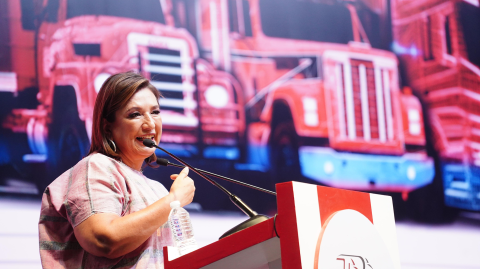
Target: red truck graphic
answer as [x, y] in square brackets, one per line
[437, 42]
[59, 53]
[266, 84]
[319, 100]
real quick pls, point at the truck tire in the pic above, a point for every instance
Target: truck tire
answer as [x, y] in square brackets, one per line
[67, 140]
[284, 159]
[72, 146]
[427, 204]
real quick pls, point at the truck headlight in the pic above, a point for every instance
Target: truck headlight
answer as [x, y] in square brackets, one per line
[99, 80]
[216, 96]
[414, 122]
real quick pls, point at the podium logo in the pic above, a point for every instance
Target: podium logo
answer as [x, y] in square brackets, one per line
[343, 245]
[352, 262]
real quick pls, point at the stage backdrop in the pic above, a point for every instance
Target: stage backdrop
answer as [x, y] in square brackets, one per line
[373, 95]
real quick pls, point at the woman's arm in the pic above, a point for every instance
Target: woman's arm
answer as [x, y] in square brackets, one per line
[109, 235]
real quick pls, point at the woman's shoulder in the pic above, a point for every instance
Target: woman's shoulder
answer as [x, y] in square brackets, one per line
[98, 158]
[80, 169]
[94, 162]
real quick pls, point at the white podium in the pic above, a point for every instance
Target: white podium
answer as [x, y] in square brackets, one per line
[316, 227]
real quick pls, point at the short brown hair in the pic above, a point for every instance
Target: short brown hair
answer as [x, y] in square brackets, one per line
[114, 94]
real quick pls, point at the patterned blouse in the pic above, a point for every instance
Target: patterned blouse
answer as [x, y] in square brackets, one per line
[97, 184]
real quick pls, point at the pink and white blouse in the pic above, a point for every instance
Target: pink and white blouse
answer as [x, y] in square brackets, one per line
[97, 184]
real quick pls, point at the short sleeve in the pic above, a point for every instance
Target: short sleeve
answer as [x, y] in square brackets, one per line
[159, 189]
[95, 186]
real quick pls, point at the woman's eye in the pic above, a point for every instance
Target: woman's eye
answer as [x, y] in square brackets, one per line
[134, 115]
[156, 112]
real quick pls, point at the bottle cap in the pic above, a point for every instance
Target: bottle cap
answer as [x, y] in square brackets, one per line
[175, 204]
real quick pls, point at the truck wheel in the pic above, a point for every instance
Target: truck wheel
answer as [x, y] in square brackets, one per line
[427, 204]
[67, 139]
[284, 159]
[67, 145]
[72, 147]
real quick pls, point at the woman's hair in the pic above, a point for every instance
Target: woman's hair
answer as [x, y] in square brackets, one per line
[115, 93]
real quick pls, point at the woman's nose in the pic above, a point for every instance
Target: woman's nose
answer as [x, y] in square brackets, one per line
[149, 122]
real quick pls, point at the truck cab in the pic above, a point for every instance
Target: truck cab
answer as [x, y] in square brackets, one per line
[319, 99]
[78, 44]
[437, 43]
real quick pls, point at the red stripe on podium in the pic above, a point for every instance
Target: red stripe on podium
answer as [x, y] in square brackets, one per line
[331, 200]
[286, 224]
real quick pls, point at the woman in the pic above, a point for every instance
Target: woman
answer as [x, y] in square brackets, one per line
[104, 212]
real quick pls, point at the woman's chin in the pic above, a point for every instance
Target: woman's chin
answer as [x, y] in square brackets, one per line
[146, 152]
[142, 150]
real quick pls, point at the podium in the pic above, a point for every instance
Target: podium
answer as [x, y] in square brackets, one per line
[316, 227]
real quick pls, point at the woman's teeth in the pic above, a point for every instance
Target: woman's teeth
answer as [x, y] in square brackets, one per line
[141, 138]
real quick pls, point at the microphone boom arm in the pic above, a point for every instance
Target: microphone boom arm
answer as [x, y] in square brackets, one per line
[167, 163]
[236, 200]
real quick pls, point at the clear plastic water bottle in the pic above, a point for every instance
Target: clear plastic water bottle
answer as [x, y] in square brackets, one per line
[182, 230]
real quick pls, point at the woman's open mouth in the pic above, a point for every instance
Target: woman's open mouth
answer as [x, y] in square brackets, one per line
[141, 138]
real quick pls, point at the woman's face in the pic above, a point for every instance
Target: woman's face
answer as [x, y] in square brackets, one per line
[139, 119]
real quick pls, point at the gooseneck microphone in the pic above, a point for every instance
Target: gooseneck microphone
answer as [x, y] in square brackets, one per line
[165, 162]
[254, 217]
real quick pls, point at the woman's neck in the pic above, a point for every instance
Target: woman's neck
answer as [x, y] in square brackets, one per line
[134, 164]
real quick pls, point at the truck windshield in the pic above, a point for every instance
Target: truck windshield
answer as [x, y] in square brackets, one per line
[469, 17]
[303, 20]
[146, 10]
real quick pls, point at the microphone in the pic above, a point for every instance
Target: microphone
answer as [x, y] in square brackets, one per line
[254, 217]
[165, 162]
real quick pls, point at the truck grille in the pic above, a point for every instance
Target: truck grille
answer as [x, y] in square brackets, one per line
[364, 102]
[172, 77]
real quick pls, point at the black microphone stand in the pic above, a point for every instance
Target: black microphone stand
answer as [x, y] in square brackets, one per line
[165, 162]
[254, 217]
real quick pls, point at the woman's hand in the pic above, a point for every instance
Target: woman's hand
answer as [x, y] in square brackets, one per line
[182, 188]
